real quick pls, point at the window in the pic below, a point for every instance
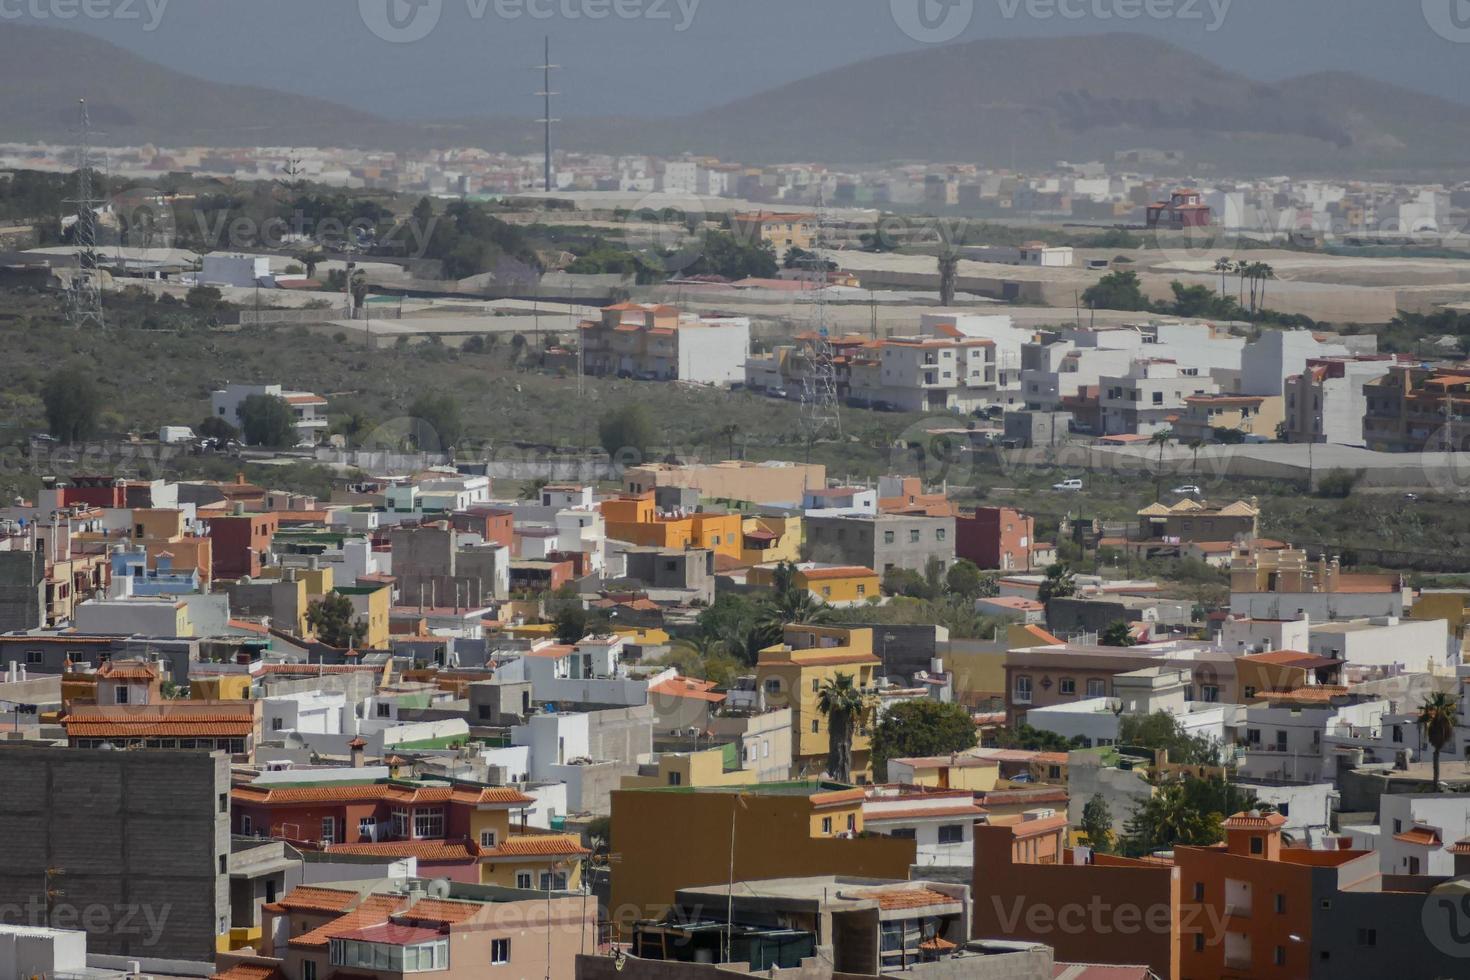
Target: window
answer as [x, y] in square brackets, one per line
[523, 879]
[1096, 687]
[1199, 891]
[1280, 955]
[556, 881]
[384, 709]
[940, 533]
[308, 967]
[33, 656]
[1367, 937]
[676, 778]
[499, 952]
[245, 824]
[1068, 686]
[224, 803]
[1258, 846]
[951, 833]
[1023, 689]
[862, 590]
[428, 822]
[277, 724]
[826, 825]
[887, 537]
[120, 694]
[816, 685]
[816, 726]
[914, 536]
[400, 822]
[1280, 904]
[1398, 826]
[903, 833]
[827, 591]
[224, 864]
[329, 829]
[852, 821]
[1210, 693]
[487, 839]
[367, 827]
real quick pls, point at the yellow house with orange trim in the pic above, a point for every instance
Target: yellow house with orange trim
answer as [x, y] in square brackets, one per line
[636, 519]
[791, 674]
[770, 539]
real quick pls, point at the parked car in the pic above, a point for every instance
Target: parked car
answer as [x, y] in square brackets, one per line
[1188, 490]
[1068, 485]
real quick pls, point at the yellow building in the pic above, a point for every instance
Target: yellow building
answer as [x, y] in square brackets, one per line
[1453, 606]
[764, 540]
[522, 860]
[782, 230]
[220, 687]
[792, 674]
[945, 772]
[710, 767]
[371, 605]
[1205, 417]
[636, 519]
[668, 838]
[835, 585]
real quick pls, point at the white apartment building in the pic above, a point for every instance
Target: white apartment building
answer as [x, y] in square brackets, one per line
[1057, 369]
[1403, 645]
[316, 712]
[308, 409]
[453, 493]
[654, 342]
[1142, 400]
[922, 374]
[839, 501]
[1136, 692]
[1242, 635]
[1286, 740]
[941, 824]
[1414, 829]
[1325, 402]
[1276, 355]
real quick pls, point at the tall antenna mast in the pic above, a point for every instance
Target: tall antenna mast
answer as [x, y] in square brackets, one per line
[546, 68]
[820, 412]
[84, 298]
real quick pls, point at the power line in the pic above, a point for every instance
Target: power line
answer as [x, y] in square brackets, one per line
[546, 68]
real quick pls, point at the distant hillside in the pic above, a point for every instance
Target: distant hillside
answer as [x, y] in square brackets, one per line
[993, 102]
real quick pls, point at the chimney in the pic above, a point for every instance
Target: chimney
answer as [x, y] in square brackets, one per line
[239, 478]
[357, 745]
[239, 509]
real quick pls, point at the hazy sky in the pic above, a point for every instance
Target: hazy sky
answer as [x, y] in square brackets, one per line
[635, 59]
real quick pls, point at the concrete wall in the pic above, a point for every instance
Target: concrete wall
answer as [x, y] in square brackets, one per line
[620, 734]
[143, 838]
[22, 590]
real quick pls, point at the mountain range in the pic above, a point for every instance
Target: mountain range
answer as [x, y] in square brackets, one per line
[997, 103]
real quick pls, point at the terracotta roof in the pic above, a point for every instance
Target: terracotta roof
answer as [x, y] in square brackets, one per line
[537, 845]
[1461, 846]
[247, 626]
[850, 571]
[907, 898]
[1255, 821]
[375, 909]
[128, 670]
[424, 850]
[308, 898]
[141, 722]
[1423, 836]
[393, 934]
[394, 792]
[684, 687]
[938, 943]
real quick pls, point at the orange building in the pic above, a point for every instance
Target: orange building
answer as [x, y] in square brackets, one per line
[1250, 902]
[1113, 911]
[161, 531]
[636, 519]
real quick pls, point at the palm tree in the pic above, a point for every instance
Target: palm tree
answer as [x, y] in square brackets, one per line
[730, 432]
[1264, 272]
[1161, 439]
[843, 703]
[788, 603]
[1059, 583]
[949, 263]
[1195, 446]
[1438, 716]
[1222, 266]
[1241, 268]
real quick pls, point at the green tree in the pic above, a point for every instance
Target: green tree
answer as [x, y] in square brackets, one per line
[1438, 716]
[1190, 813]
[907, 582]
[1097, 824]
[785, 603]
[1161, 730]
[629, 431]
[570, 622]
[1161, 439]
[965, 579]
[436, 422]
[214, 427]
[1060, 582]
[1119, 290]
[731, 621]
[844, 705]
[920, 728]
[72, 403]
[1118, 634]
[205, 299]
[334, 621]
[267, 420]
[1036, 740]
